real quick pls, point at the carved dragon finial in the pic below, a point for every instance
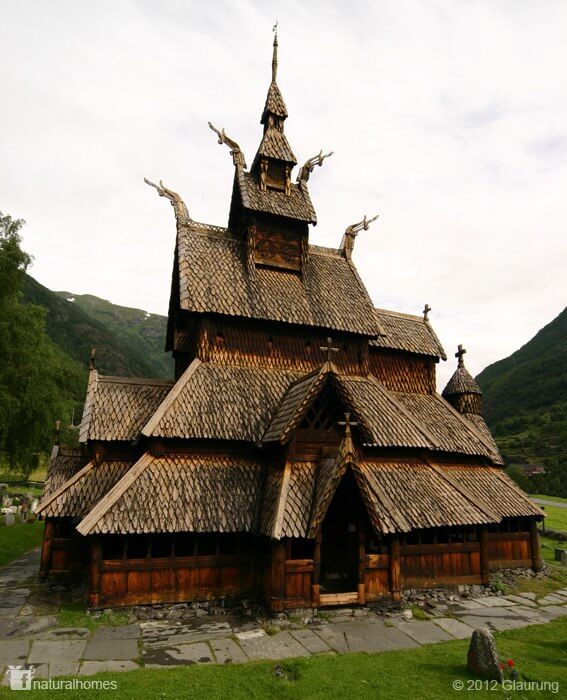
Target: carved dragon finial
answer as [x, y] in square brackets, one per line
[181, 211]
[235, 152]
[347, 244]
[309, 165]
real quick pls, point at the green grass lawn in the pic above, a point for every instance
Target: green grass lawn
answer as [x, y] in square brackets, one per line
[425, 673]
[556, 518]
[548, 498]
[17, 539]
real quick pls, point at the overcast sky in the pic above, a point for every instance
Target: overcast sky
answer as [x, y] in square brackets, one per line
[449, 119]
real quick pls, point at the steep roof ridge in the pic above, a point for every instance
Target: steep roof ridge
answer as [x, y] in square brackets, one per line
[90, 520]
[88, 407]
[67, 485]
[170, 399]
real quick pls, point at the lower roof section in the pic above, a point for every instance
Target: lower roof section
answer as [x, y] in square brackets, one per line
[210, 493]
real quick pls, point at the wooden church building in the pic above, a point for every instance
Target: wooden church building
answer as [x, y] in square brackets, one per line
[302, 455]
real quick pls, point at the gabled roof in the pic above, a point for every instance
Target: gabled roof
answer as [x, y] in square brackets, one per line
[116, 408]
[214, 277]
[407, 332]
[296, 206]
[63, 464]
[274, 144]
[293, 405]
[84, 489]
[224, 402]
[409, 494]
[274, 103]
[181, 493]
[462, 382]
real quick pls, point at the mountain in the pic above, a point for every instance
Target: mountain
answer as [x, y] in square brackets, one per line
[525, 399]
[129, 342]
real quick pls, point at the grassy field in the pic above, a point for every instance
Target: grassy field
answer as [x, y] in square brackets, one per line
[549, 498]
[17, 539]
[425, 673]
[556, 518]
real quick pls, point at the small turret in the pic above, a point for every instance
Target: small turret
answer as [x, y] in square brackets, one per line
[462, 391]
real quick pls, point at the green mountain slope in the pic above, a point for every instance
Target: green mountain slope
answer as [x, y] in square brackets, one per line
[525, 398]
[128, 342]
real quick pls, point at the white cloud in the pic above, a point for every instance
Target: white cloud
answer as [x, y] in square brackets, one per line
[446, 118]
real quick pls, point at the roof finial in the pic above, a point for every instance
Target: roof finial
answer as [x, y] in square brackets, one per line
[92, 360]
[309, 165]
[348, 423]
[347, 244]
[57, 432]
[329, 349]
[460, 353]
[235, 152]
[426, 311]
[275, 54]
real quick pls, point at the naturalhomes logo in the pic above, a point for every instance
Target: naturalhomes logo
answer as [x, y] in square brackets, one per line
[23, 678]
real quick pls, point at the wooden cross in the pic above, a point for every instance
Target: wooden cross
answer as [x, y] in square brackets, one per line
[329, 349]
[348, 423]
[92, 360]
[460, 353]
[426, 311]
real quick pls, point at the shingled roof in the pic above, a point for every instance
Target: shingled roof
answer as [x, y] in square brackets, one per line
[117, 408]
[462, 382]
[84, 489]
[407, 332]
[215, 278]
[274, 144]
[296, 206]
[181, 493]
[274, 103]
[63, 464]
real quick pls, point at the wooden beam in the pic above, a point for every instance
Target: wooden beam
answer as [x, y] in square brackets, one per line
[484, 564]
[278, 575]
[535, 548]
[46, 548]
[395, 574]
[94, 572]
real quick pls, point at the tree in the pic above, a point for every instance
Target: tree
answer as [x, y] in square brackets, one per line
[37, 381]
[519, 476]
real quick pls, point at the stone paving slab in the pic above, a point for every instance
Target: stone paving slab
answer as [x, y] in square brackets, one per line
[106, 649]
[552, 599]
[89, 668]
[280, 646]
[26, 627]
[521, 601]
[227, 651]
[528, 594]
[455, 628]
[494, 601]
[122, 632]
[57, 650]
[14, 651]
[312, 642]
[184, 634]
[11, 611]
[361, 636]
[182, 655]
[335, 639]
[554, 610]
[489, 612]
[424, 632]
[66, 633]
[63, 667]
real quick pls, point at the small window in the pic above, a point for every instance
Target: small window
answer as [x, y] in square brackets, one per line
[161, 546]
[229, 544]
[185, 545]
[137, 547]
[301, 549]
[219, 340]
[207, 545]
[112, 547]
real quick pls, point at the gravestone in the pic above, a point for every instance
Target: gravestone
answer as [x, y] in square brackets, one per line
[9, 518]
[483, 658]
[564, 559]
[559, 551]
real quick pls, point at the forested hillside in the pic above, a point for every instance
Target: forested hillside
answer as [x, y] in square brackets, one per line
[525, 398]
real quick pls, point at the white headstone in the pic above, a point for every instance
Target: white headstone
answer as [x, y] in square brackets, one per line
[9, 518]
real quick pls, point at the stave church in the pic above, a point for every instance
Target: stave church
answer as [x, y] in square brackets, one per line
[302, 455]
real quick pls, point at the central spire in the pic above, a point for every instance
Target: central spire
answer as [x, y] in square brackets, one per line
[275, 54]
